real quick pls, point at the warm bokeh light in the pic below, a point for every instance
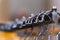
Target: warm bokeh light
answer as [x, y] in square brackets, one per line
[55, 31]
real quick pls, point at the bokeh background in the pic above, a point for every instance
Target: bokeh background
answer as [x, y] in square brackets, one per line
[12, 9]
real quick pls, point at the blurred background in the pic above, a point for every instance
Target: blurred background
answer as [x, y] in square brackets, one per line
[30, 6]
[12, 9]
